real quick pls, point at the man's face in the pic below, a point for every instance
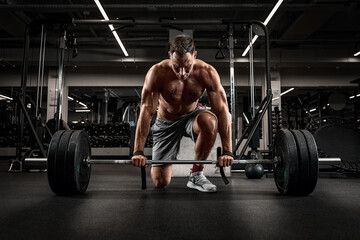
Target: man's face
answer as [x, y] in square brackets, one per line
[182, 66]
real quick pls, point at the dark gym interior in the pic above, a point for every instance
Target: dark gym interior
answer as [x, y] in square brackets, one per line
[73, 103]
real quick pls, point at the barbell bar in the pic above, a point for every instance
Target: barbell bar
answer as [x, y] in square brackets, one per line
[322, 161]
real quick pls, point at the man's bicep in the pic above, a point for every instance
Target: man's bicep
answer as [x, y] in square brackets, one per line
[216, 92]
[217, 98]
[150, 92]
[149, 99]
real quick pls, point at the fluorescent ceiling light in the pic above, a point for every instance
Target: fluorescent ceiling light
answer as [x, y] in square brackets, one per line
[82, 110]
[267, 20]
[289, 90]
[357, 54]
[98, 4]
[314, 109]
[248, 47]
[351, 97]
[82, 104]
[70, 98]
[273, 12]
[246, 119]
[283, 93]
[6, 97]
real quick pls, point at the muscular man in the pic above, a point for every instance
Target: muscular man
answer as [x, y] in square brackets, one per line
[174, 86]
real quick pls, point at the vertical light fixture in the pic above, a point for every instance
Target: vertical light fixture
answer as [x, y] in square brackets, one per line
[98, 4]
[267, 20]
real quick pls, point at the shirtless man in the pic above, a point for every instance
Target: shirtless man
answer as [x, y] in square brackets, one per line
[174, 86]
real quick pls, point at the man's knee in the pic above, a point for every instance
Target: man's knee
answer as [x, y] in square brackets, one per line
[161, 175]
[160, 182]
[207, 122]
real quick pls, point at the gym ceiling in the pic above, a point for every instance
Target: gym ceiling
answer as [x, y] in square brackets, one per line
[302, 32]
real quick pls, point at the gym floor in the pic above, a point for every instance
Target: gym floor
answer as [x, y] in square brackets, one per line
[115, 207]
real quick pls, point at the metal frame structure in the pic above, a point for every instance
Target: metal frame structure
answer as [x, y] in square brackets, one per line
[21, 98]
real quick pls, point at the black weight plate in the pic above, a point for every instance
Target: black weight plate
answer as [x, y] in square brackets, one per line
[51, 160]
[79, 172]
[286, 169]
[61, 164]
[313, 161]
[304, 162]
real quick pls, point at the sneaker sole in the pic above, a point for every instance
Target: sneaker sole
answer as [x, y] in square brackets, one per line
[193, 186]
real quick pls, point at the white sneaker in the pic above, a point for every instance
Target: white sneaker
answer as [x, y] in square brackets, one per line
[197, 180]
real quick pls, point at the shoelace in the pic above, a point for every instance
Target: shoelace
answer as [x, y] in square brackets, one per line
[201, 179]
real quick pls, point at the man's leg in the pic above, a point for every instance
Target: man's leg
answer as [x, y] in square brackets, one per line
[161, 175]
[204, 129]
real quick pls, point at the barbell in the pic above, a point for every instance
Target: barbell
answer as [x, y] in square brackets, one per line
[324, 161]
[151, 162]
[295, 162]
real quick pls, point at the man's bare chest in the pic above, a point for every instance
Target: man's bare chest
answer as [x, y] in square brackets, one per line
[182, 91]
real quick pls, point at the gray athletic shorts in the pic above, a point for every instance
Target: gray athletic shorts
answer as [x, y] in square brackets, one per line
[168, 134]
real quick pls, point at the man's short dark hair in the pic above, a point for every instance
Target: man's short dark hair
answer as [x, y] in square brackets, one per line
[182, 44]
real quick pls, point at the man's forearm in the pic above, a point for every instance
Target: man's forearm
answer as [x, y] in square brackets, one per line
[142, 130]
[224, 126]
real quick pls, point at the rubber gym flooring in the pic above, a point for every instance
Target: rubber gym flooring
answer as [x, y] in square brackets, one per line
[115, 207]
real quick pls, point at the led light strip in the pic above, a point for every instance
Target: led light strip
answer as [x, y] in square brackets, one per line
[289, 90]
[82, 104]
[98, 4]
[283, 93]
[3, 96]
[267, 20]
[357, 54]
[351, 97]
[82, 110]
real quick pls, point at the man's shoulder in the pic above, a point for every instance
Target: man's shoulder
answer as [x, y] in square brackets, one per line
[158, 72]
[204, 68]
[161, 66]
